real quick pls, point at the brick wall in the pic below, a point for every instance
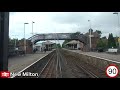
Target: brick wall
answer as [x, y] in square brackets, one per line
[28, 46]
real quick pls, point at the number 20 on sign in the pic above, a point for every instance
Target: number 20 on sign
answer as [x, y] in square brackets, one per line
[112, 71]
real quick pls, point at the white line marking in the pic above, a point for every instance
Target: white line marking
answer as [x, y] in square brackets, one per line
[95, 56]
[32, 64]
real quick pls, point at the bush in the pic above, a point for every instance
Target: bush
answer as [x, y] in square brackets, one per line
[100, 49]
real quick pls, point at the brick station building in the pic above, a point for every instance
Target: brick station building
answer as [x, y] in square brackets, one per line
[28, 46]
[94, 40]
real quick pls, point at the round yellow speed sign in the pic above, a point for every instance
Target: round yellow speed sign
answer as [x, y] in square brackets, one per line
[119, 39]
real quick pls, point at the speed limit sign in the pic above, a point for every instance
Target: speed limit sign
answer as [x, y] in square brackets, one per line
[112, 71]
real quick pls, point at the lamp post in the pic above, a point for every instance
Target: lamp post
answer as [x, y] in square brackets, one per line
[24, 38]
[90, 33]
[32, 38]
[118, 25]
[117, 16]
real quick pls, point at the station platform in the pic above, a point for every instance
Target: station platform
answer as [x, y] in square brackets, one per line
[17, 63]
[103, 55]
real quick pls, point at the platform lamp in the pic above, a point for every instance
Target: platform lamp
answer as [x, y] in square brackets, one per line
[118, 26]
[24, 38]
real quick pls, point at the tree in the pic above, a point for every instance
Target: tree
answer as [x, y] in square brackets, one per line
[104, 37]
[99, 32]
[13, 41]
[66, 41]
[58, 45]
[116, 40]
[102, 43]
[111, 41]
[75, 35]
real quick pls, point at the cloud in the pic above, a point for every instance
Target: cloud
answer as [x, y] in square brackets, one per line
[62, 22]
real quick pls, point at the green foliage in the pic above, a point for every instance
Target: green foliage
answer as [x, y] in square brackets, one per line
[116, 40]
[75, 35]
[12, 41]
[56, 46]
[102, 43]
[66, 41]
[99, 32]
[104, 37]
[111, 41]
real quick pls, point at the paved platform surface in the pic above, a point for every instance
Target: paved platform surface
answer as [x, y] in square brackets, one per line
[114, 57]
[17, 63]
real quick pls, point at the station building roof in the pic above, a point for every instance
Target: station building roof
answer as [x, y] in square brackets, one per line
[73, 42]
[47, 42]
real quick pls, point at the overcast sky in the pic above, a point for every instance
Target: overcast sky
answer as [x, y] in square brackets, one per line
[62, 22]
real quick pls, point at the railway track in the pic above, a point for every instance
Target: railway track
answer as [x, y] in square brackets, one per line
[47, 70]
[52, 68]
[92, 71]
[60, 64]
[91, 74]
[78, 68]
